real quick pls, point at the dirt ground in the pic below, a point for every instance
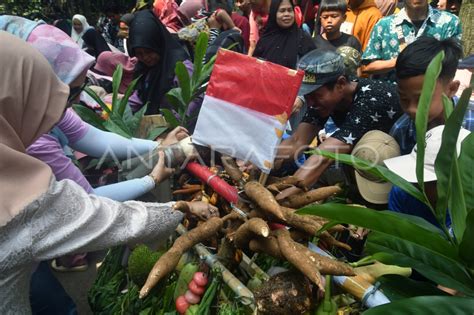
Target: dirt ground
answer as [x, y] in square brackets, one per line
[77, 284]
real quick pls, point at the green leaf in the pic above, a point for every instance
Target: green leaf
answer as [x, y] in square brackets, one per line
[397, 287]
[170, 118]
[184, 82]
[206, 71]
[116, 125]
[156, 133]
[465, 163]
[447, 174]
[428, 305]
[89, 116]
[440, 269]
[376, 170]
[466, 248]
[98, 100]
[174, 96]
[136, 119]
[199, 52]
[116, 80]
[421, 120]
[408, 227]
[124, 101]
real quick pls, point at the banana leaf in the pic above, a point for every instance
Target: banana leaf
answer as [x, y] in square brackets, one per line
[428, 305]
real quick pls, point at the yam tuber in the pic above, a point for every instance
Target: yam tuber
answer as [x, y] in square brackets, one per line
[232, 168]
[285, 182]
[264, 199]
[168, 261]
[302, 262]
[285, 293]
[248, 230]
[267, 246]
[303, 199]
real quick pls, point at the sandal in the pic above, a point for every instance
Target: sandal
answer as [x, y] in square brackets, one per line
[60, 268]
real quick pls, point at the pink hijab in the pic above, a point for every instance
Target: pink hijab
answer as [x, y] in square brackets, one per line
[108, 61]
[32, 100]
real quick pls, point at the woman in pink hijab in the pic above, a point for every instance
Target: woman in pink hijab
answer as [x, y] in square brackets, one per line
[108, 61]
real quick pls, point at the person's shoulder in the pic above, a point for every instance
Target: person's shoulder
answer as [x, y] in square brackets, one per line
[369, 87]
[443, 17]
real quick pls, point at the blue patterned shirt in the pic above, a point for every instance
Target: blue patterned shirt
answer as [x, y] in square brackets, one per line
[405, 133]
[384, 43]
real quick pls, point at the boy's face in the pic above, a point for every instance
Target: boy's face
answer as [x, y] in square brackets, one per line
[331, 20]
[325, 100]
[409, 90]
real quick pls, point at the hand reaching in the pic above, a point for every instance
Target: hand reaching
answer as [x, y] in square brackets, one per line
[176, 135]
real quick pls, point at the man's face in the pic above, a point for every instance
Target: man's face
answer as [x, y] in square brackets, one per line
[410, 90]
[325, 100]
[416, 4]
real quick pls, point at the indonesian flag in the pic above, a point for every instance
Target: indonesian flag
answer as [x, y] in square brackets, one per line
[246, 108]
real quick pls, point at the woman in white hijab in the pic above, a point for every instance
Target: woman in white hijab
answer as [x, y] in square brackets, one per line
[41, 218]
[79, 27]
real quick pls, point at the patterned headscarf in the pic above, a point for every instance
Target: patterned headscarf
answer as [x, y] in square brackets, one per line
[65, 56]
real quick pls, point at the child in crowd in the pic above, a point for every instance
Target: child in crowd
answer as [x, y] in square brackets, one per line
[332, 14]
[410, 69]
[258, 19]
[361, 19]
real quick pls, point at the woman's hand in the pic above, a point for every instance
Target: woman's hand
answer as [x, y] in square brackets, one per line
[197, 209]
[160, 172]
[176, 135]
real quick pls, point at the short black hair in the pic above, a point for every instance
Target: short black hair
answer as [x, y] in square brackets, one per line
[415, 58]
[333, 5]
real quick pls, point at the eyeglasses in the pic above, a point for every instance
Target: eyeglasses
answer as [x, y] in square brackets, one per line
[75, 92]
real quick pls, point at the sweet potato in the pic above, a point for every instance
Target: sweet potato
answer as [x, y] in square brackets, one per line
[303, 199]
[169, 260]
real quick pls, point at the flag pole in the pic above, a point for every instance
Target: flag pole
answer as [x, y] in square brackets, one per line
[263, 178]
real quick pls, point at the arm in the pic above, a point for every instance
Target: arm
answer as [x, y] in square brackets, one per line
[253, 37]
[379, 66]
[317, 164]
[374, 59]
[97, 143]
[48, 150]
[293, 146]
[67, 220]
[225, 19]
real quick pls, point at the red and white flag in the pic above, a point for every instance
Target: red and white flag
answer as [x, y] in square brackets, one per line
[246, 108]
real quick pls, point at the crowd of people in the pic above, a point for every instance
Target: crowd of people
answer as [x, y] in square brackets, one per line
[364, 63]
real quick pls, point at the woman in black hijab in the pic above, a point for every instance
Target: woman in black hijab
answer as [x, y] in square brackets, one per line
[282, 41]
[157, 53]
[95, 43]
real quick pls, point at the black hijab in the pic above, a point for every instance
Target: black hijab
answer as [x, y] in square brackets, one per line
[282, 46]
[95, 43]
[146, 31]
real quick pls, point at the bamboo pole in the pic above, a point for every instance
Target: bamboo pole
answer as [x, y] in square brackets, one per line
[242, 292]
